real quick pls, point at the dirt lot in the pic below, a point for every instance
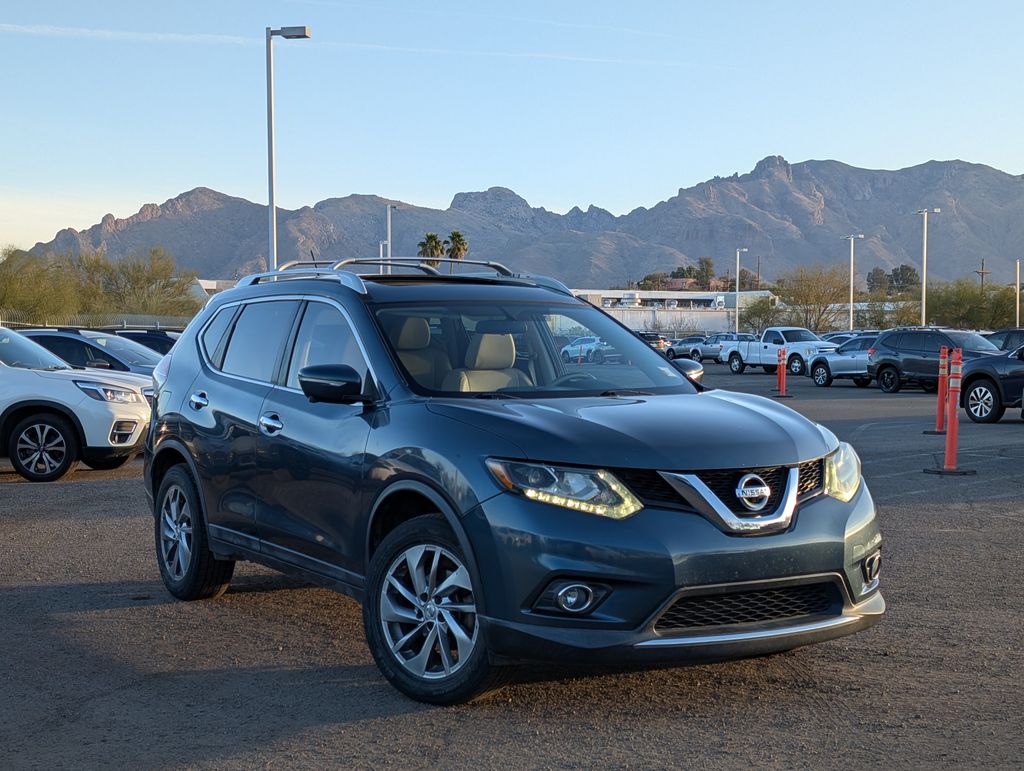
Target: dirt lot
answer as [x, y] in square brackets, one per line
[101, 666]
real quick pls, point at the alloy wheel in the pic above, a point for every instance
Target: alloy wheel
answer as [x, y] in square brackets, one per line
[176, 533]
[428, 612]
[42, 449]
[820, 375]
[980, 401]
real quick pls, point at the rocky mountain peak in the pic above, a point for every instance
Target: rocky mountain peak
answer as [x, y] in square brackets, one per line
[497, 202]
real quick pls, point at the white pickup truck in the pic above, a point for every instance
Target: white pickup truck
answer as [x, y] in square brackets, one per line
[801, 346]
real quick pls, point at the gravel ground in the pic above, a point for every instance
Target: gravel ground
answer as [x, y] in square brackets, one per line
[102, 667]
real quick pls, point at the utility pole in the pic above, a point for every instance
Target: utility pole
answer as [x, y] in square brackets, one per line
[758, 273]
[1016, 286]
[983, 273]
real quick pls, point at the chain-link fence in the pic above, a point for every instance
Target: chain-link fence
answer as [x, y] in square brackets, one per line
[21, 319]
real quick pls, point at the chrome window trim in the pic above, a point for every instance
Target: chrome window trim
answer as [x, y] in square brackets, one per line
[710, 506]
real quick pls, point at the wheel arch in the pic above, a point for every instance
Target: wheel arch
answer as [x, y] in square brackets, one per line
[172, 453]
[16, 412]
[973, 378]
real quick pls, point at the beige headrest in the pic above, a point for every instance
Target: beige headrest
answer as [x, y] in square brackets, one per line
[412, 335]
[491, 351]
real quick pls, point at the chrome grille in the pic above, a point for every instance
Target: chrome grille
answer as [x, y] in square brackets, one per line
[724, 482]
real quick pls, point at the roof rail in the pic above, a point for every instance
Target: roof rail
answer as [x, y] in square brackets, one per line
[344, 277]
[402, 262]
[418, 262]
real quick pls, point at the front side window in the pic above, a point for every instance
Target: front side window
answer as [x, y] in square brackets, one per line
[258, 338]
[512, 350]
[971, 341]
[128, 351]
[324, 337]
[799, 336]
[775, 339]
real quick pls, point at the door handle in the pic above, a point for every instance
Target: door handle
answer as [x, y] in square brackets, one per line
[270, 423]
[198, 400]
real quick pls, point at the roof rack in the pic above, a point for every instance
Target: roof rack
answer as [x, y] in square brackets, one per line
[341, 271]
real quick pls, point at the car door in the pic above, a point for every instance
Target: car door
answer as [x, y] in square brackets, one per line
[1013, 375]
[242, 349]
[310, 459]
[851, 358]
[769, 348]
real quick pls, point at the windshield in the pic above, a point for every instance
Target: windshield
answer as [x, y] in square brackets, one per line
[518, 350]
[971, 341]
[18, 351]
[128, 351]
[798, 336]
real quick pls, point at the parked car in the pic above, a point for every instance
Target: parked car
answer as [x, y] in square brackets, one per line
[711, 346]
[53, 416]
[682, 347]
[1008, 339]
[911, 355]
[801, 345]
[654, 340]
[489, 508]
[96, 350]
[160, 340]
[848, 361]
[990, 384]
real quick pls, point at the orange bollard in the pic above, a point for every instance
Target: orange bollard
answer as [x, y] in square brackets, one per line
[780, 374]
[952, 420]
[943, 392]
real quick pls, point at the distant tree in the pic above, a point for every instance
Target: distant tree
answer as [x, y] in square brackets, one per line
[431, 247]
[965, 304]
[653, 282]
[815, 295]
[878, 281]
[761, 314]
[705, 273]
[904, 279]
[748, 280]
[458, 247]
[685, 271]
[35, 287]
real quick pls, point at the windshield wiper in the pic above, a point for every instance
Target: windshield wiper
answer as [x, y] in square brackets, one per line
[494, 395]
[627, 392]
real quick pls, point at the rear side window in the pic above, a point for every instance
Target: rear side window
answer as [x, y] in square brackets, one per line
[890, 341]
[258, 338]
[932, 342]
[212, 338]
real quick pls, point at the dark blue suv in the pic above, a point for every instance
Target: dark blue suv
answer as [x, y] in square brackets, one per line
[416, 441]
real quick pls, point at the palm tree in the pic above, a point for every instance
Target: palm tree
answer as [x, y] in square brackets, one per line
[458, 247]
[430, 247]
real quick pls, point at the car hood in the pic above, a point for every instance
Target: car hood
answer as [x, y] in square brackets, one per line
[713, 429]
[123, 379]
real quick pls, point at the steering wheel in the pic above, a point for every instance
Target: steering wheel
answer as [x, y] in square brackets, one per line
[570, 378]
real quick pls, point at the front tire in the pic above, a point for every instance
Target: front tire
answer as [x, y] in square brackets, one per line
[421, 615]
[983, 403]
[670, 354]
[889, 380]
[107, 464]
[797, 366]
[736, 365]
[43, 448]
[187, 566]
[696, 356]
[821, 376]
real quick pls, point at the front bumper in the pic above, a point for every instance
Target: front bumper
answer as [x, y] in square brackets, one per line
[651, 560]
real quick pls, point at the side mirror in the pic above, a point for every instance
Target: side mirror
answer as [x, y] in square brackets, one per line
[98, 364]
[1020, 353]
[331, 383]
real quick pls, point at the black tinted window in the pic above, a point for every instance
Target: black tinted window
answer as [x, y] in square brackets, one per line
[325, 337]
[213, 335]
[258, 337]
[931, 343]
[95, 354]
[74, 352]
[775, 339]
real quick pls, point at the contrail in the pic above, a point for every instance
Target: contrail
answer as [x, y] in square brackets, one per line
[46, 30]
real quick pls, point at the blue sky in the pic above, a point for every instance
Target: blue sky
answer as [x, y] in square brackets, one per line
[109, 105]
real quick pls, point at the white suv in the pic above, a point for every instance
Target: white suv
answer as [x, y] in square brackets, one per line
[52, 416]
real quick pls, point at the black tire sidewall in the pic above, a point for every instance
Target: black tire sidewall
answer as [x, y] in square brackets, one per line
[997, 411]
[796, 360]
[826, 380]
[473, 676]
[884, 375]
[736, 365]
[71, 443]
[107, 464]
[188, 588]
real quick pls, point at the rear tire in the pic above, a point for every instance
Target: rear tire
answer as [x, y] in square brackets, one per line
[670, 354]
[771, 369]
[696, 356]
[983, 403]
[889, 380]
[736, 365]
[187, 566]
[43, 448]
[821, 375]
[429, 653]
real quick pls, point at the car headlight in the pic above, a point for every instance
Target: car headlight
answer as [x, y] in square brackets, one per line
[842, 473]
[106, 393]
[592, 491]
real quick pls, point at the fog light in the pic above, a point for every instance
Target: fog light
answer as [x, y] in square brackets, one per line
[575, 598]
[872, 567]
[122, 431]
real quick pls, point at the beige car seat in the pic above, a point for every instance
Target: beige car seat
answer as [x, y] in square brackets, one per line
[427, 366]
[489, 366]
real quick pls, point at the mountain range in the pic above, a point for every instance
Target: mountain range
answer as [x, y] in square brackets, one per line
[787, 214]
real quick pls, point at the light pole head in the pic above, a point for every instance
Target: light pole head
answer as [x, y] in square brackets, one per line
[741, 249]
[293, 33]
[928, 211]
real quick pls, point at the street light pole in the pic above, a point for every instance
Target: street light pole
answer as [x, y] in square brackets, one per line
[388, 242]
[737, 295]
[380, 256]
[924, 260]
[1017, 294]
[851, 238]
[289, 33]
